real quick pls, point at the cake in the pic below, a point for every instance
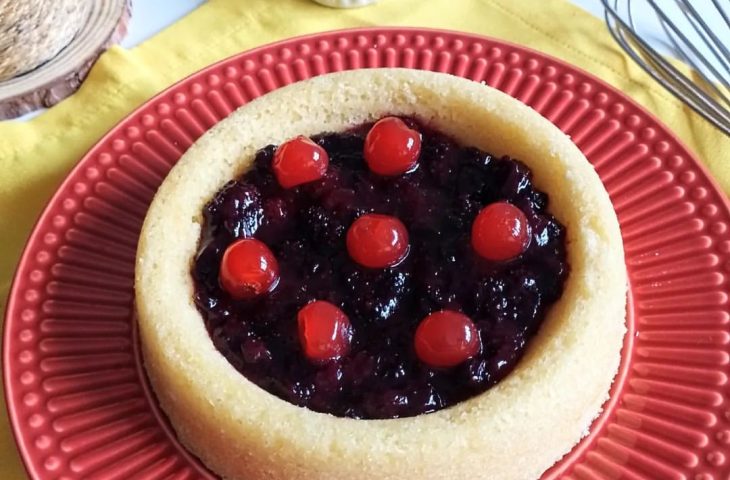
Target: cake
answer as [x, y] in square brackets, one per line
[516, 428]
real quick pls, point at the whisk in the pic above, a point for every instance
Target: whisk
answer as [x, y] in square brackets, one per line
[698, 34]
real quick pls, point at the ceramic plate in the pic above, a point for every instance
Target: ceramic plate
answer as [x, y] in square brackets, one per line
[79, 402]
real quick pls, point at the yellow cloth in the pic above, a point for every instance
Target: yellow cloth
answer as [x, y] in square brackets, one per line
[36, 155]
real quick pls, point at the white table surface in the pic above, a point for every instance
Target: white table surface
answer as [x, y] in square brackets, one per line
[151, 16]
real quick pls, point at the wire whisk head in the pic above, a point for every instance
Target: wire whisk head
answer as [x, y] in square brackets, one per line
[697, 33]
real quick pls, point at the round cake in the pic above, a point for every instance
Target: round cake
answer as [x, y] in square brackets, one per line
[517, 428]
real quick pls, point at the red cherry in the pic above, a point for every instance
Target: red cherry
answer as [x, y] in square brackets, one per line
[446, 338]
[299, 161]
[377, 241]
[248, 269]
[500, 232]
[391, 148]
[325, 332]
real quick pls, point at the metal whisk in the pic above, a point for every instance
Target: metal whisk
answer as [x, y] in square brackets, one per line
[698, 34]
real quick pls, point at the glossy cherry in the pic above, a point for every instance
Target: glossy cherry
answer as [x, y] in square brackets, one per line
[248, 269]
[325, 332]
[391, 147]
[299, 161]
[377, 241]
[500, 232]
[446, 338]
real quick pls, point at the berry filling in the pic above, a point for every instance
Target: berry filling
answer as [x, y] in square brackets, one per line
[371, 291]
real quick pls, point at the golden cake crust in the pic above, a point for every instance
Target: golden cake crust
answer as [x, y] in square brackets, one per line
[517, 429]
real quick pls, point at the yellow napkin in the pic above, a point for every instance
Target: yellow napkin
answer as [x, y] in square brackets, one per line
[36, 155]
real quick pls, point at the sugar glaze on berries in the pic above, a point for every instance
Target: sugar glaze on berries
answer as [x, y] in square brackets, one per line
[360, 355]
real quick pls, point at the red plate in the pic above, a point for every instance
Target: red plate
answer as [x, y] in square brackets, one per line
[78, 398]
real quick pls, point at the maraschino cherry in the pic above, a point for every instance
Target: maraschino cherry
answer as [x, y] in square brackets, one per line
[325, 332]
[391, 147]
[248, 269]
[377, 241]
[299, 161]
[500, 232]
[446, 338]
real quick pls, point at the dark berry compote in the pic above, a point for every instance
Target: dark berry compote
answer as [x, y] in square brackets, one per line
[383, 272]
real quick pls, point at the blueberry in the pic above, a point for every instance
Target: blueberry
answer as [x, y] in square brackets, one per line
[443, 160]
[426, 400]
[323, 226]
[539, 201]
[207, 263]
[360, 368]
[376, 295]
[329, 378]
[299, 393]
[261, 174]
[255, 352]
[477, 372]
[340, 202]
[388, 404]
[239, 209]
[345, 150]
